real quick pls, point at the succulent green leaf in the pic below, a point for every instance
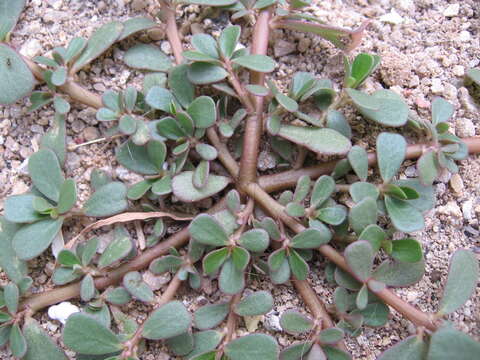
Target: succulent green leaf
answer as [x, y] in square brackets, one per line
[137, 159]
[135, 285]
[203, 112]
[293, 322]
[240, 258]
[311, 238]
[64, 275]
[205, 342]
[228, 40]
[358, 159]
[361, 190]
[449, 343]
[260, 63]
[407, 250]
[209, 316]
[134, 25]
[39, 344]
[33, 239]
[181, 344]
[59, 76]
[428, 167]
[361, 300]
[252, 347]
[322, 190]
[257, 303]
[61, 105]
[118, 296]
[116, 250]
[461, 283]
[320, 140]
[159, 98]
[19, 209]
[374, 235]
[210, 2]
[108, 200]
[391, 150]
[16, 79]
[296, 351]
[98, 43]
[363, 214]
[231, 280]
[411, 348]
[359, 257]
[86, 335]
[282, 274]
[298, 265]
[344, 301]
[397, 274]
[139, 189]
[206, 230]
[205, 44]
[201, 73]
[374, 314]
[9, 13]
[147, 57]
[214, 259]
[383, 106]
[68, 196]
[403, 215]
[11, 296]
[362, 67]
[169, 320]
[255, 240]
[39, 99]
[295, 209]
[68, 258]
[104, 114]
[165, 263]
[337, 121]
[474, 75]
[44, 169]
[162, 186]
[286, 102]
[18, 344]
[426, 201]
[87, 288]
[276, 259]
[442, 110]
[334, 215]
[182, 186]
[330, 336]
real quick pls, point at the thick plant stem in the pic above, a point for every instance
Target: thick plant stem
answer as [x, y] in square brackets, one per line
[316, 306]
[232, 319]
[277, 211]
[288, 179]
[254, 125]
[223, 154]
[312, 301]
[168, 16]
[51, 297]
[71, 88]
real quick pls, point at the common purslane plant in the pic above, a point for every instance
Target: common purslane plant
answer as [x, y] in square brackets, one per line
[183, 131]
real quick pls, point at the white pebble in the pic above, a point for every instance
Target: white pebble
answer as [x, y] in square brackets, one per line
[451, 10]
[392, 18]
[62, 311]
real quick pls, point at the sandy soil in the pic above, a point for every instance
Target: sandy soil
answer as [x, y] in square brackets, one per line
[426, 47]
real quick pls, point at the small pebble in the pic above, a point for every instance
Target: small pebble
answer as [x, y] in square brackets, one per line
[456, 183]
[467, 209]
[451, 10]
[90, 133]
[393, 17]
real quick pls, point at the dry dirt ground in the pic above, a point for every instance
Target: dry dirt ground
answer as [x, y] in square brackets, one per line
[426, 47]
